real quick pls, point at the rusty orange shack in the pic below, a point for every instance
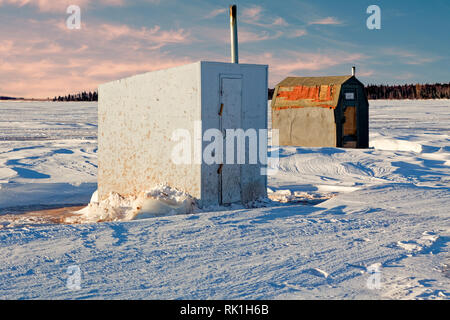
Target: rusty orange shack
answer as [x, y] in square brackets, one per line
[321, 112]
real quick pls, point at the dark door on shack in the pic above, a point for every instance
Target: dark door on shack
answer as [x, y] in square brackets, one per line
[350, 118]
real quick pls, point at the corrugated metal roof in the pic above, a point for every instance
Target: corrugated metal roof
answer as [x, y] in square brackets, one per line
[313, 81]
[302, 92]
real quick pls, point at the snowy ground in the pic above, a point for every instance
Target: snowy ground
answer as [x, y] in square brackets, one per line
[388, 206]
[47, 147]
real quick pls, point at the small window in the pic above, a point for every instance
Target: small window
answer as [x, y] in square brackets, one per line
[349, 96]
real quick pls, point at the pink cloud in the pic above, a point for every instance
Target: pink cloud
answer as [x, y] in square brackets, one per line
[215, 13]
[315, 61]
[113, 69]
[297, 33]
[43, 58]
[222, 35]
[58, 5]
[409, 57]
[47, 78]
[252, 13]
[248, 36]
[290, 63]
[154, 36]
[279, 22]
[404, 76]
[326, 21]
[364, 73]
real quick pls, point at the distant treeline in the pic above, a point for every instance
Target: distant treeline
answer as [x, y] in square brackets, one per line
[373, 92]
[81, 96]
[407, 91]
[7, 98]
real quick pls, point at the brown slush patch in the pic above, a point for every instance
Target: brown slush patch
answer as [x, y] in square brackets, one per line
[47, 216]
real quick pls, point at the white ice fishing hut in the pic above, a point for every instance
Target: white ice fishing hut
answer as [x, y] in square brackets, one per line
[138, 116]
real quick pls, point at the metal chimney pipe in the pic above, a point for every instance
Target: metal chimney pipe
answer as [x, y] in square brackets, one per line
[353, 70]
[234, 35]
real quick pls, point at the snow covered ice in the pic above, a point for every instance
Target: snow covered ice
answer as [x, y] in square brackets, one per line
[160, 201]
[333, 213]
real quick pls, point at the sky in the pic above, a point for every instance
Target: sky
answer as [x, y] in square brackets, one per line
[41, 57]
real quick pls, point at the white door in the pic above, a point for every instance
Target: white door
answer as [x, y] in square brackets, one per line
[230, 118]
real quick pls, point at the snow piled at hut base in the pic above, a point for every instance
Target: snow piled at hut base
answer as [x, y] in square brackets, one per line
[159, 201]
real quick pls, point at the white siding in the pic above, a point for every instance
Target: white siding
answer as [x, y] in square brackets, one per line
[137, 116]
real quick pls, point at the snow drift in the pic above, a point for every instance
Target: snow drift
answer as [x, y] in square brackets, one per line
[159, 201]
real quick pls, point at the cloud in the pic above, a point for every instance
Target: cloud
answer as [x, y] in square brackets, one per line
[248, 36]
[297, 33]
[315, 61]
[404, 76]
[43, 58]
[326, 21]
[215, 13]
[364, 73]
[408, 57]
[254, 15]
[222, 35]
[257, 27]
[291, 63]
[113, 69]
[43, 78]
[58, 5]
[279, 22]
[155, 37]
